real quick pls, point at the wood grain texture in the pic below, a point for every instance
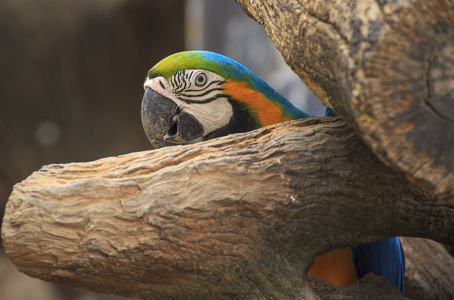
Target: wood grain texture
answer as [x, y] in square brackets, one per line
[385, 67]
[241, 216]
[429, 270]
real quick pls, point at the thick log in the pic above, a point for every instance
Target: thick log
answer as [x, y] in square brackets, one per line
[242, 216]
[385, 67]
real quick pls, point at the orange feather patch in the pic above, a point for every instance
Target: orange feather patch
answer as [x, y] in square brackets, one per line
[267, 111]
[335, 266]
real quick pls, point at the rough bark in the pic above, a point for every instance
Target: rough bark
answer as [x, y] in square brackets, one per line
[242, 216]
[429, 270]
[385, 67]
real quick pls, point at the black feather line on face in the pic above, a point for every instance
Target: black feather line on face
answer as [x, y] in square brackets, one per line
[189, 101]
[201, 94]
[188, 76]
[174, 82]
[218, 82]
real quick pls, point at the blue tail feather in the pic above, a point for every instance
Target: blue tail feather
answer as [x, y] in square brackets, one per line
[383, 258]
[329, 112]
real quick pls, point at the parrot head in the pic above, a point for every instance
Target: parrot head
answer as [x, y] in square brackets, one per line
[198, 95]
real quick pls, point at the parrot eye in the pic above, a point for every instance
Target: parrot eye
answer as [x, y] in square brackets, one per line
[201, 79]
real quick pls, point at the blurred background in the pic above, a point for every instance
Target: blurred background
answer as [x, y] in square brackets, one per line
[71, 85]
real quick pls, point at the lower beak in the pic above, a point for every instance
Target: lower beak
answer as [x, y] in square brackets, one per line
[165, 124]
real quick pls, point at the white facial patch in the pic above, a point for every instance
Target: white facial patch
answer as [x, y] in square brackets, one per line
[212, 115]
[206, 102]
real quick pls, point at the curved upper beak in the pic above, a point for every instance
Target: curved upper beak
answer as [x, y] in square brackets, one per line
[164, 123]
[157, 116]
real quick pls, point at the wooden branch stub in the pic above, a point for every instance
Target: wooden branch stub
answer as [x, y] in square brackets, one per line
[385, 67]
[243, 215]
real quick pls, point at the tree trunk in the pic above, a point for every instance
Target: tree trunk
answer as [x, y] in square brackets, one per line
[241, 216]
[385, 67]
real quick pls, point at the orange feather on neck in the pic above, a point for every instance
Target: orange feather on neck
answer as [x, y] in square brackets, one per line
[267, 111]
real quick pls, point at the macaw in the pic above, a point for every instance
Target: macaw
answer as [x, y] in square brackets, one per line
[194, 96]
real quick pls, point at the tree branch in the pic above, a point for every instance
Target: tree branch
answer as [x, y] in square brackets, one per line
[243, 215]
[385, 67]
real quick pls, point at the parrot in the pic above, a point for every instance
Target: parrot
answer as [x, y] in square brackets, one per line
[194, 96]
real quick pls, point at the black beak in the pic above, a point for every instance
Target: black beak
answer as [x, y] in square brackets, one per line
[165, 124]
